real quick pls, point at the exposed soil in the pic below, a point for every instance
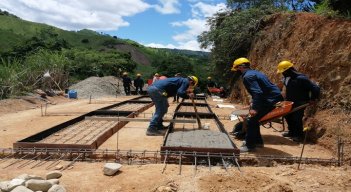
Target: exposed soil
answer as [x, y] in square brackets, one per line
[137, 56]
[320, 48]
[88, 176]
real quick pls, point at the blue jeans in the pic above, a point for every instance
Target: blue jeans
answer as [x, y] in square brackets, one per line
[161, 104]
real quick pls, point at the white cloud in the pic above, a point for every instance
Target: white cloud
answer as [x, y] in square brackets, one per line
[201, 9]
[189, 45]
[195, 25]
[168, 7]
[76, 14]
[158, 45]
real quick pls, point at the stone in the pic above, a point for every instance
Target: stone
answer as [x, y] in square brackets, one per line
[38, 185]
[54, 181]
[21, 189]
[111, 168]
[10, 185]
[27, 177]
[57, 188]
[58, 167]
[53, 175]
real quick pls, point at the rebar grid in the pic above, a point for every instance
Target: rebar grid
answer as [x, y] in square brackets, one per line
[129, 107]
[200, 109]
[41, 156]
[83, 132]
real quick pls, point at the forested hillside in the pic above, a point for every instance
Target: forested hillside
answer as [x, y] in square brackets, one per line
[28, 50]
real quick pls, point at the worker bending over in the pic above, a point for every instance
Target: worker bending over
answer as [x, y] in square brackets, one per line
[264, 97]
[159, 91]
[300, 90]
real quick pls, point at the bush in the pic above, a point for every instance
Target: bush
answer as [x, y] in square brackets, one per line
[325, 9]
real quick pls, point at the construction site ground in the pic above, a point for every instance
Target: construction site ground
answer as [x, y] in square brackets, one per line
[20, 120]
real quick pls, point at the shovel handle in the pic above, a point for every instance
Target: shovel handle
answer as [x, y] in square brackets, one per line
[197, 115]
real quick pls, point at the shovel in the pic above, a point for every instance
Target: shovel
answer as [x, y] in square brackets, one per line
[197, 115]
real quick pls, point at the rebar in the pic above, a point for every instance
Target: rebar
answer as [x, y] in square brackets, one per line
[146, 157]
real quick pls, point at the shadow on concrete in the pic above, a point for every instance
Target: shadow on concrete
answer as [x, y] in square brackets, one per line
[278, 140]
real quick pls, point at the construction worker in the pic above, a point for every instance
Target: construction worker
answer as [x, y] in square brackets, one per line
[156, 77]
[139, 84]
[210, 84]
[160, 91]
[264, 96]
[176, 97]
[300, 90]
[127, 82]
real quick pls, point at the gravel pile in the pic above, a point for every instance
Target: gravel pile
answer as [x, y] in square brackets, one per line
[98, 87]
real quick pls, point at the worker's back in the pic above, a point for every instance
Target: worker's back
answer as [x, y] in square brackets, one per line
[173, 86]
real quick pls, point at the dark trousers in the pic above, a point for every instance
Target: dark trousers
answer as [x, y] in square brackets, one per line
[139, 89]
[175, 98]
[127, 89]
[253, 133]
[294, 120]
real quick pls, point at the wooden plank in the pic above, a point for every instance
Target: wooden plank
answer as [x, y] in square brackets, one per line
[138, 119]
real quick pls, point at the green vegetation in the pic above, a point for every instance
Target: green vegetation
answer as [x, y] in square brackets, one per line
[28, 50]
[231, 35]
[325, 9]
[232, 32]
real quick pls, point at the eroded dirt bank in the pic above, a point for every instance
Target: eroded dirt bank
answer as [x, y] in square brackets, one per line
[320, 48]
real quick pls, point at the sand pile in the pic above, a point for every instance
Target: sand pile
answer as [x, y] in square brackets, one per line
[98, 87]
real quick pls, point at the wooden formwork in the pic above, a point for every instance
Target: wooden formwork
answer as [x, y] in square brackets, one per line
[82, 133]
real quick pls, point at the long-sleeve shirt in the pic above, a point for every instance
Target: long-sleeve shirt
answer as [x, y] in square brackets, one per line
[138, 82]
[127, 80]
[173, 86]
[262, 91]
[300, 89]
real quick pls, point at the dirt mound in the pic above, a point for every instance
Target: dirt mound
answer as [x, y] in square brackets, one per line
[320, 48]
[98, 87]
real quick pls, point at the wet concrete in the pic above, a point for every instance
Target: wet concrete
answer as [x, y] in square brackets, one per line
[199, 138]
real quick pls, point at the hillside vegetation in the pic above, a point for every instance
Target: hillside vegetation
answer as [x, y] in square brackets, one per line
[28, 50]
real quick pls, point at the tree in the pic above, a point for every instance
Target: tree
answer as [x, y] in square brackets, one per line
[171, 64]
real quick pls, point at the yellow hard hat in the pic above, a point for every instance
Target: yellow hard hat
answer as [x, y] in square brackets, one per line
[209, 78]
[240, 61]
[125, 73]
[283, 66]
[195, 79]
[156, 74]
[138, 74]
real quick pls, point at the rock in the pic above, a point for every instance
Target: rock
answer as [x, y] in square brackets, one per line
[38, 185]
[5, 186]
[165, 189]
[27, 177]
[111, 168]
[10, 185]
[54, 181]
[53, 175]
[57, 188]
[58, 167]
[21, 189]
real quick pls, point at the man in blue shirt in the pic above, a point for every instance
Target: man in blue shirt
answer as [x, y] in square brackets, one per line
[300, 90]
[264, 97]
[159, 91]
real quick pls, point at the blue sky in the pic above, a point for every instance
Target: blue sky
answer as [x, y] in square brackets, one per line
[154, 23]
